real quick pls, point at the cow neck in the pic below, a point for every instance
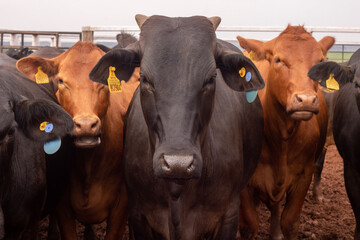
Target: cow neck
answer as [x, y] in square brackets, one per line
[277, 121]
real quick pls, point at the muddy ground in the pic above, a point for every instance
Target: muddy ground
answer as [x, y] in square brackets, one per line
[332, 219]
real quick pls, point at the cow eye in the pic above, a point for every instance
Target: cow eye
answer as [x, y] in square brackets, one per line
[145, 81]
[60, 81]
[277, 60]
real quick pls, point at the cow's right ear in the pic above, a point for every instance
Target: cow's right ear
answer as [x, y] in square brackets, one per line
[30, 66]
[123, 60]
[255, 48]
[32, 116]
[331, 74]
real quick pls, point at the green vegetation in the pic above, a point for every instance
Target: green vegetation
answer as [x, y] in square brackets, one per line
[339, 57]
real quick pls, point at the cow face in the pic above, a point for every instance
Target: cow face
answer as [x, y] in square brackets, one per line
[178, 58]
[289, 57]
[85, 100]
[336, 72]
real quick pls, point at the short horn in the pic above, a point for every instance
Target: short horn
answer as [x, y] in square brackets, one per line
[140, 19]
[215, 21]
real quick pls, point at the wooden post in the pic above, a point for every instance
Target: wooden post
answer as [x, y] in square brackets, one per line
[87, 34]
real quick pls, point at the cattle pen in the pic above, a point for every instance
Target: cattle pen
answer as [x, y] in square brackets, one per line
[347, 39]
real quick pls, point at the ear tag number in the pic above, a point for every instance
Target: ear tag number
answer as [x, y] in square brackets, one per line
[113, 82]
[242, 72]
[331, 83]
[41, 77]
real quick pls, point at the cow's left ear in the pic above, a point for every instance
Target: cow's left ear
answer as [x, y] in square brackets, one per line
[331, 74]
[42, 120]
[239, 72]
[326, 43]
[35, 68]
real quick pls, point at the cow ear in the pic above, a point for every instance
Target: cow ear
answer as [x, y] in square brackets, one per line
[255, 48]
[32, 116]
[123, 60]
[326, 43]
[331, 74]
[31, 66]
[238, 71]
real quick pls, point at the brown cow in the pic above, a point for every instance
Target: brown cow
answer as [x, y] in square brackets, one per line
[295, 122]
[96, 191]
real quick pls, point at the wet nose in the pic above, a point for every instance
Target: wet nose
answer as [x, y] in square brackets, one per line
[178, 166]
[87, 125]
[306, 100]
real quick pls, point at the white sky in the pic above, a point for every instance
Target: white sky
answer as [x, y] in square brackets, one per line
[72, 15]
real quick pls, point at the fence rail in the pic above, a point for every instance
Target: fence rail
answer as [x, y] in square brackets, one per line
[348, 39]
[17, 39]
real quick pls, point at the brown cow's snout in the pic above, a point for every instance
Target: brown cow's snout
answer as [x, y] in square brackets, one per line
[306, 101]
[87, 131]
[303, 106]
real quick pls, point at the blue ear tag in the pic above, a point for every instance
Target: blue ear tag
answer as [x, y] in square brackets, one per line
[251, 95]
[49, 127]
[248, 76]
[53, 146]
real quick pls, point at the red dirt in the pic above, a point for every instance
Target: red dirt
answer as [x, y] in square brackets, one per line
[332, 219]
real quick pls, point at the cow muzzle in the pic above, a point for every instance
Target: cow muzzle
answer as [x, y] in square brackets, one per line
[303, 106]
[178, 167]
[87, 131]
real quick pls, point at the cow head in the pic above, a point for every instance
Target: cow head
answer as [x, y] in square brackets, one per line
[289, 57]
[85, 100]
[178, 59]
[328, 72]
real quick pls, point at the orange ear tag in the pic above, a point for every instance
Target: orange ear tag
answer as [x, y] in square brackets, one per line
[251, 55]
[242, 72]
[331, 83]
[43, 126]
[41, 77]
[113, 82]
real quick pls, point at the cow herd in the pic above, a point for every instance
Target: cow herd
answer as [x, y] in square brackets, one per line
[178, 134]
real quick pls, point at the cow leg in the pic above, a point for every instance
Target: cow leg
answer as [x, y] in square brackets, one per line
[248, 217]
[230, 221]
[275, 229]
[66, 220]
[89, 233]
[352, 183]
[317, 193]
[53, 229]
[116, 221]
[290, 217]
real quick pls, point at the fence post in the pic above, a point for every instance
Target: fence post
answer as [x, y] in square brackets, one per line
[87, 34]
[14, 40]
[35, 40]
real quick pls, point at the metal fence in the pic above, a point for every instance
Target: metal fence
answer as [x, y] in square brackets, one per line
[347, 39]
[11, 39]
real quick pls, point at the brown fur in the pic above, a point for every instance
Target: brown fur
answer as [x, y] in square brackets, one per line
[290, 147]
[96, 191]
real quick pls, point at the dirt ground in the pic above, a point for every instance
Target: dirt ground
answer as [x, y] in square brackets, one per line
[332, 219]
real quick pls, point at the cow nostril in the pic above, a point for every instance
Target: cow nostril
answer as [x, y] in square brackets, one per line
[298, 98]
[191, 167]
[315, 100]
[94, 125]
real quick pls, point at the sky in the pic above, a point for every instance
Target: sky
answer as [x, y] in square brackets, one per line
[72, 15]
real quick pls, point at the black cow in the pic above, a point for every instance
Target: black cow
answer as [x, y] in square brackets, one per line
[191, 141]
[24, 106]
[346, 122]
[124, 39]
[19, 53]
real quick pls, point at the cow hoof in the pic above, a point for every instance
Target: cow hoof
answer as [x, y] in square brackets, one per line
[318, 197]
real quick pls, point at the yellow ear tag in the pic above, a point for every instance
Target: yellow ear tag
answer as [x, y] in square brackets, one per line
[43, 126]
[251, 55]
[242, 72]
[41, 77]
[331, 83]
[113, 82]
